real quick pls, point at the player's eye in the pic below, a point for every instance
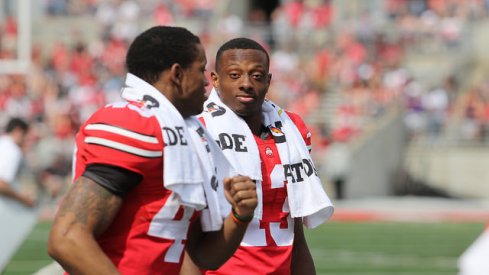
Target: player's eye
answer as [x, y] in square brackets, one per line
[257, 76]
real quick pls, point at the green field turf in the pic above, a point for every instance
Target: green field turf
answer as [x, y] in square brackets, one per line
[339, 248]
[390, 248]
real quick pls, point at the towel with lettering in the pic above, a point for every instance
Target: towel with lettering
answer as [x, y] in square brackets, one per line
[305, 193]
[187, 172]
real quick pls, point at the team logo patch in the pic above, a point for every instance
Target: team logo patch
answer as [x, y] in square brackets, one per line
[150, 102]
[277, 134]
[215, 110]
[268, 152]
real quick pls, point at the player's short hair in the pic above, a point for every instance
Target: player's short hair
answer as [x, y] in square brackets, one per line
[239, 43]
[15, 123]
[158, 48]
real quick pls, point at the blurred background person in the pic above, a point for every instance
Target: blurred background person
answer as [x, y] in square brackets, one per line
[474, 260]
[16, 205]
[11, 146]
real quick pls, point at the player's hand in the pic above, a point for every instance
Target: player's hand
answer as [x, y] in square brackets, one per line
[27, 201]
[240, 191]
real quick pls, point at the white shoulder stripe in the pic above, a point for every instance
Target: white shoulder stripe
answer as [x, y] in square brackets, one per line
[123, 147]
[122, 132]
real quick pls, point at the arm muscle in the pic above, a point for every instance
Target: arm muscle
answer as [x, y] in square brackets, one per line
[85, 213]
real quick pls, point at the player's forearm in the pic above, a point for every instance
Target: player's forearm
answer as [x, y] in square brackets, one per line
[227, 241]
[188, 266]
[212, 249]
[302, 262]
[215, 248]
[78, 253]
[9, 192]
[86, 212]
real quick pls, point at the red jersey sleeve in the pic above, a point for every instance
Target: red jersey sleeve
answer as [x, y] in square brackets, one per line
[124, 136]
[303, 129]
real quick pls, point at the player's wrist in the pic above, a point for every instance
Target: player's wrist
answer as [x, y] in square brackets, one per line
[241, 219]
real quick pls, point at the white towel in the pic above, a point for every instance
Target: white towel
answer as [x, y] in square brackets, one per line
[232, 132]
[187, 171]
[215, 167]
[305, 193]
[229, 129]
[306, 196]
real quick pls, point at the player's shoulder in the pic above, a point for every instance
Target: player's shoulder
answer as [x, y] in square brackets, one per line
[301, 126]
[121, 134]
[126, 115]
[297, 119]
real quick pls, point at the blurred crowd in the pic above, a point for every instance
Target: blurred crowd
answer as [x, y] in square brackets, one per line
[319, 53]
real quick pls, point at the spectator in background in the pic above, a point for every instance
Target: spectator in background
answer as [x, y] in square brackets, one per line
[10, 161]
[17, 209]
[435, 103]
[337, 162]
[18, 103]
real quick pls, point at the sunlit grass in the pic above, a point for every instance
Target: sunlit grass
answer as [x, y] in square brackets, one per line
[365, 248]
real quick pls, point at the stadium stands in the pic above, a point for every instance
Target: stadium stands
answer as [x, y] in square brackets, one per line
[342, 67]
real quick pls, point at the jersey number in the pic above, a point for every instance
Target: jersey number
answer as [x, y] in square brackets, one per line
[165, 226]
[261, 233]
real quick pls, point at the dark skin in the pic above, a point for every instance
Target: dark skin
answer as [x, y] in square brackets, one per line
[185, 87]
[242, 81]
[88, 209]
[86, 212]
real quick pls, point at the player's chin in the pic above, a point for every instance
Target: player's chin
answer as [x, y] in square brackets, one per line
[243, 111]
[197, 109]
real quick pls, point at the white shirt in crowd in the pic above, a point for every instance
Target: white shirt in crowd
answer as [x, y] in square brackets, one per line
[10, 160]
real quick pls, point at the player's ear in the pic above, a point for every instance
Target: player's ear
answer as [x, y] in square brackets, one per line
[215, 80]
[176, 74]
[269, 80]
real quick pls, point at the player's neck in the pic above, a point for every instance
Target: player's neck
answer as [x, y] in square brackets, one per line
[255, 124]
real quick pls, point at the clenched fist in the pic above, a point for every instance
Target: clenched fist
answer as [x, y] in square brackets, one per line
[240, 191]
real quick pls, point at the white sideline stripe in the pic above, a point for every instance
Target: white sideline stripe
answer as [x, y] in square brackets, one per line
[123, 147]
[122, 132]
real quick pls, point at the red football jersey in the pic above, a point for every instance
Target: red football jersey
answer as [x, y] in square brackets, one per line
[267, 245]
[148, 234]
